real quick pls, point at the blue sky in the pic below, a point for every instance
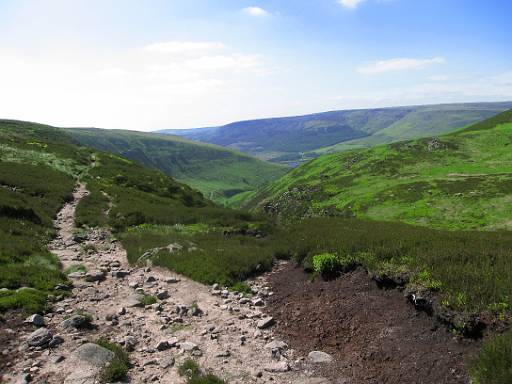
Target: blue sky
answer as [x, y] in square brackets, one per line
[153, 64]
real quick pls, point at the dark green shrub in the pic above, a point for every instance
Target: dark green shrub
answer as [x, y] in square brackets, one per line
[206, 379]
[148, 300]
[241, 287]
[75, 268]
[31, 300]
[494, 365]
[189, 369]
[328, 265]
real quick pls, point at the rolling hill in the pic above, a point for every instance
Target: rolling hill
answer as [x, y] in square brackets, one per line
[291, 140]
[219, 173]
[461, 180]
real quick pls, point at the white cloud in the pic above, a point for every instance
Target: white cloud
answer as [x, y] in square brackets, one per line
[398, 64]
[352, 4]
[113, 72]
[255, 11]
[180, 47]
[221, 62]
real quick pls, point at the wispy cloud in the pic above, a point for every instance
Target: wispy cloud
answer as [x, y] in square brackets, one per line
[178, 47]
[255, 11]
[351, 4]
[398, 64]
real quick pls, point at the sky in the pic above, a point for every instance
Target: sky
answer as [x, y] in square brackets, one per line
[157, 64]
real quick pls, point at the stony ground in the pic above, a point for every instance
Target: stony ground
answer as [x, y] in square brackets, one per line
[227, 333]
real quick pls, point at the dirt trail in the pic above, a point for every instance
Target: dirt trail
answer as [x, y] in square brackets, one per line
[374, 335]
[224, 338]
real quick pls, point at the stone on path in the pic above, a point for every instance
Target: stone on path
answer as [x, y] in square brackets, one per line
[76, 275]
[318, 357]
[266, 322]
[36, 320]
[134, 301]
[279, 345]
[188, 346]
[75, 321]
[162, 295]
[40, 337]
[94, 276]
[318, 380]
[279, 367]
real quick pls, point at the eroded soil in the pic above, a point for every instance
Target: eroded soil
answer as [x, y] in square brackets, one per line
[375, 336]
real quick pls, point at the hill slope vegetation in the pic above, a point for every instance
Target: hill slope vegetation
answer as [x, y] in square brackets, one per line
[292, 140]
[457, 181]
[217, 172]
[39, 168]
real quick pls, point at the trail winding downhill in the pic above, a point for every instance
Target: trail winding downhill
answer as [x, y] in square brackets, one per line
[217, 328]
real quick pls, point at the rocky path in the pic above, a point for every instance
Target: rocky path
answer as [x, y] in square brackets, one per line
[227, 334]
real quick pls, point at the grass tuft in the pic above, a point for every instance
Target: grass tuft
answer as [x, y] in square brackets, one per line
[190, 369]
[118, 368]
[494, 365]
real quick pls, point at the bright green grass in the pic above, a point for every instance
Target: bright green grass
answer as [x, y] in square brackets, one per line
[465, 184]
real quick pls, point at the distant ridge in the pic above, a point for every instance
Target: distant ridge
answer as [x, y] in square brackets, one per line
[290, 140]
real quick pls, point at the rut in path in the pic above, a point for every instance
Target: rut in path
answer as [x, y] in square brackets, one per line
[224, 338]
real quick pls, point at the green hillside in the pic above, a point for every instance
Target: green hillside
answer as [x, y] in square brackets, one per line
[39, 168]
[291, 140]
[219, 173]
[457, 181]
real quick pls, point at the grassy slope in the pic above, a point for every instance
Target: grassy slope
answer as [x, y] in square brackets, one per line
[290, 139]
[464, 184]
[218, 173]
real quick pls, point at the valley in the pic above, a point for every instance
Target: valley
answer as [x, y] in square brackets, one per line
[351, 268]
[220, 174]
